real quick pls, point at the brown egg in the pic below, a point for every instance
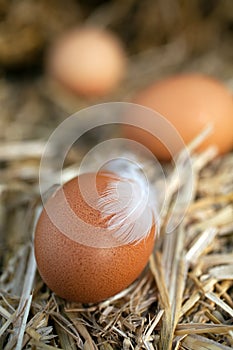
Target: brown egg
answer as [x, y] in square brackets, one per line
[86, 272]
[189, 102]
[89, 61]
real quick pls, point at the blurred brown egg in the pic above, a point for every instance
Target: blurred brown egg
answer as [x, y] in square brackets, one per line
[76, 264]
[190, 102]
[89, 61]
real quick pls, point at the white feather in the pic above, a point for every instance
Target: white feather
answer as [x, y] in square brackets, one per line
[129, 203]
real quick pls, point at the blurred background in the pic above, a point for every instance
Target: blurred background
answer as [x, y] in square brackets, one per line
[159, 37]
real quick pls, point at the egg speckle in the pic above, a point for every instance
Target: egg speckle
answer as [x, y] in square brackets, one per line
[80, 272]
[190, 102]
[89, 61]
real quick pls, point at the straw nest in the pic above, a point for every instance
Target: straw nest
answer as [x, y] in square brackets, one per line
[183, 300]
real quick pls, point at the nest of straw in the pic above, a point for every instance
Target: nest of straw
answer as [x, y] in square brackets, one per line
[183, 300]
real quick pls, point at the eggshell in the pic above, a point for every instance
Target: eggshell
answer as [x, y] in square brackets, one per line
[190, 102]
[89, 61]
[79, 272]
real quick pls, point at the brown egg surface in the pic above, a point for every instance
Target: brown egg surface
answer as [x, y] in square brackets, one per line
[88, 61]
[189, 102]
[79, 272]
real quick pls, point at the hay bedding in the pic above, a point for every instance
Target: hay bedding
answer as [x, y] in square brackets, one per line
[182, 301]
[184, 298]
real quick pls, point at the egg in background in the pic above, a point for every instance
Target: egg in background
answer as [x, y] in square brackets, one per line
[190, 102]
[88, 61]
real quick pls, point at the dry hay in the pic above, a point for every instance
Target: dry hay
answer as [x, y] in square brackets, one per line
[183, 300]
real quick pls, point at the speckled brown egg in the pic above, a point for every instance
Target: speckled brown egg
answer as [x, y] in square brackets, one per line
[190, 102]
[70, 256]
